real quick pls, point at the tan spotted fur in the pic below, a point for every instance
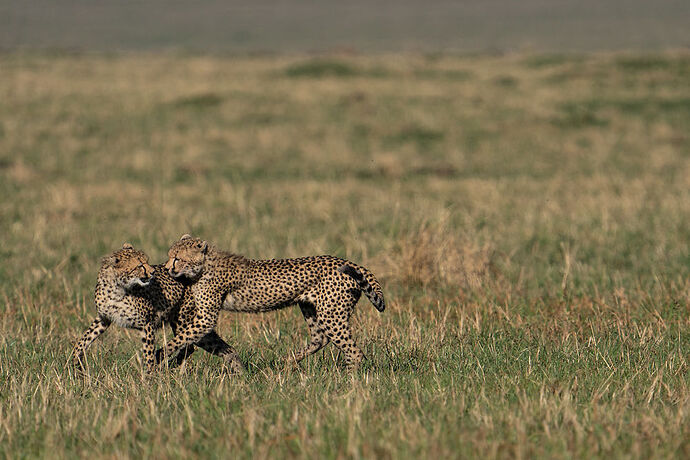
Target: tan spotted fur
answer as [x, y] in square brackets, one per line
[326, 288]
[133, 294]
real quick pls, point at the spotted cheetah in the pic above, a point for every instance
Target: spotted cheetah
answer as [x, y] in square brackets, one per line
[133, 294]
[326, 288]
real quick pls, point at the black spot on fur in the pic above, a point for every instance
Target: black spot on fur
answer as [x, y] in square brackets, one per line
[352, 273]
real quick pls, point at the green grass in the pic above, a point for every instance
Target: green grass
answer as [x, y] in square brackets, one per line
[526, 215]
[319, 68]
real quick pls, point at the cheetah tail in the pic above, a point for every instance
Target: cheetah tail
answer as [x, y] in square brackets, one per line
[367, 283]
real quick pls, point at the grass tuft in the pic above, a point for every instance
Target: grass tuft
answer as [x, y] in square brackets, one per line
[321, 68]
[199, 101]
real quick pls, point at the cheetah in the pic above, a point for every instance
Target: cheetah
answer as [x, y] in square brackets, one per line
[133, 294]
[326, 288]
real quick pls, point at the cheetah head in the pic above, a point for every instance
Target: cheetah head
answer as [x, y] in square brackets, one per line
[186, 257]
[129, 267]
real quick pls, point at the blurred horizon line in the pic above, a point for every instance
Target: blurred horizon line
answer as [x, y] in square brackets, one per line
[358, 26]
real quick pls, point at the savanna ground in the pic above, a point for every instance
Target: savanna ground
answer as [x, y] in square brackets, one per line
[527, 216]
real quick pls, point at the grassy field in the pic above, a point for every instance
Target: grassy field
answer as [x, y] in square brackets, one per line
[527, 216]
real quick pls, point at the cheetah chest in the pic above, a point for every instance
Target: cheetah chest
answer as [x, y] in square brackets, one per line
[122, 314]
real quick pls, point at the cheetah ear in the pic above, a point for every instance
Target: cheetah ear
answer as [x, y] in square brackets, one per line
[203, 246]
[186, 236]
[127, 246]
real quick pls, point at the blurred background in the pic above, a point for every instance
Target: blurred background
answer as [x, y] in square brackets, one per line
[358, 25]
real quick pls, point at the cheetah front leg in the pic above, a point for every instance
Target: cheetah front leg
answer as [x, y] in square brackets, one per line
[204, 321]
[149, 347]
[98, 326]
[213, 344]
[182, 355]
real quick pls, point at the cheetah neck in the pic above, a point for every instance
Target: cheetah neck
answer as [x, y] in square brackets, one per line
[108, 289]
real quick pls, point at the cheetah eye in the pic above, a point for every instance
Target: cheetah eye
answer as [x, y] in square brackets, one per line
[199, 245]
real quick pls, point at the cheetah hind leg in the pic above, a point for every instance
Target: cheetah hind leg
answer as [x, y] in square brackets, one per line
[317, 337]
[343, 340]
[341, 335]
